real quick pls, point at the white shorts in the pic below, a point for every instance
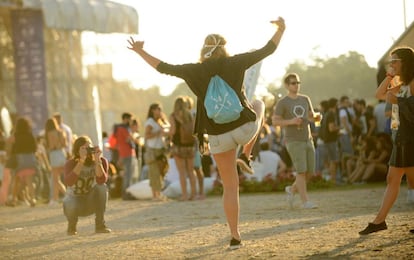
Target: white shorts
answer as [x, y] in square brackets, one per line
[230, 140]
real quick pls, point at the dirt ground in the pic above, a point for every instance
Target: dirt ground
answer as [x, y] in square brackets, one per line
[145, 229]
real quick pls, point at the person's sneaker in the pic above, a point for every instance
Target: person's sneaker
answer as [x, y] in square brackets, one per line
[244, 163]
[53, 203]
[102, 229]
[235, 244]
[309, 205]
[371, 228]
[289, 195]
[72, 230]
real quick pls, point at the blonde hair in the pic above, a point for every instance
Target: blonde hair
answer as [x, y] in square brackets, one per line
[213, 47]
[181, 110]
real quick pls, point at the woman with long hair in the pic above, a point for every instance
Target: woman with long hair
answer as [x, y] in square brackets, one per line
[85, 175]
[55, 145]
[183, 150]
[156, 129]
[397, 88]
[24, 148]
[224, 138]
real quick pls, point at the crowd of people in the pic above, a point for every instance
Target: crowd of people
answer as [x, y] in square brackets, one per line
[342, 142]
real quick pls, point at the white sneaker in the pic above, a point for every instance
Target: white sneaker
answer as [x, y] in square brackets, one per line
[410, 196]
[290, 196]
[309, 205]
[53, 203]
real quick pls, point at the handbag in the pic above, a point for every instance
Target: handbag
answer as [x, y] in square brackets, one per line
[163, 165]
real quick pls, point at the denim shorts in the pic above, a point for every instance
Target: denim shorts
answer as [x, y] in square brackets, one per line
[57, 158]
[345, 144]
[26, 161]
[230, 140]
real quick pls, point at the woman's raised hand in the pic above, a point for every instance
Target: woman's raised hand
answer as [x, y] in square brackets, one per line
[280, 23]
[135, 45]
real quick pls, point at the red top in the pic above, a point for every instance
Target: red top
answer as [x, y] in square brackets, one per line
[83, 183]
[123, 142]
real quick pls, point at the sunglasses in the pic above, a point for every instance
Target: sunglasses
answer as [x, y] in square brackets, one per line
[294, 83]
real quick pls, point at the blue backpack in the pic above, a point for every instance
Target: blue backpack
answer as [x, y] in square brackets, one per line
[221, 102]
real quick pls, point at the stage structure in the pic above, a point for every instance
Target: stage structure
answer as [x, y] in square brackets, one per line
[42, 67]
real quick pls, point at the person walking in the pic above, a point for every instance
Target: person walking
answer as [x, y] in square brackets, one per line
[294, 112]
[55, 145]
[224, 138]
[24, 148]
[401, 162]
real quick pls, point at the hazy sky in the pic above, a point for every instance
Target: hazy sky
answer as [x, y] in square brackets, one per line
[174, 30]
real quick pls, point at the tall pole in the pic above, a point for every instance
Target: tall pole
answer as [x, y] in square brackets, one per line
[405, 16]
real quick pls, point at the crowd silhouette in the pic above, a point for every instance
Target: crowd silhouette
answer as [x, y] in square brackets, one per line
[370, 141]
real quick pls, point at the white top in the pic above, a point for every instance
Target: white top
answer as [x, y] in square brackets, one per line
[69, 137]
[268, 164]
[395, 117]
[342, 113]
[155, 142]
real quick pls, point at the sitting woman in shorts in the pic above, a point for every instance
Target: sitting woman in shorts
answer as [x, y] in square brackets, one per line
[24, 148]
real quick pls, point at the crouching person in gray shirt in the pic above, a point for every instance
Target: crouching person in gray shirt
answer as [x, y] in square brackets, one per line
[85, 175]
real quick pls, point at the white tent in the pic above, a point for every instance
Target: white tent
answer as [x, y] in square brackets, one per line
[86, 15]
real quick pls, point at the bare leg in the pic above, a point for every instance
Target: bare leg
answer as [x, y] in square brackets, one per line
[372, 169]
[332, 171]
[350, 165]
[4, 192]
[410, 178]
[28, 181]
[226, 163]
[391, 192]
[299, 186]
[259, 108]
[15, 189]
[200, 180]
[181, 167]
[357, 173]
[57, 183]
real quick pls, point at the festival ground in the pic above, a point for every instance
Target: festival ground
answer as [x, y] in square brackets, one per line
[197, 229]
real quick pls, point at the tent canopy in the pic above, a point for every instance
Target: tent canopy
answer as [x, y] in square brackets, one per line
[87, 15]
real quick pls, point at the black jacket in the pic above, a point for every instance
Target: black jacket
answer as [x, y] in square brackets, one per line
[231, 69]
[405, 133]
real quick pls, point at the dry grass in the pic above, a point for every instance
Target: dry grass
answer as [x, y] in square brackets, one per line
[197, 229]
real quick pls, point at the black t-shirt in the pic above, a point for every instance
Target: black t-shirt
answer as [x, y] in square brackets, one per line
[24, 143]
[326, 135]
[230, 69]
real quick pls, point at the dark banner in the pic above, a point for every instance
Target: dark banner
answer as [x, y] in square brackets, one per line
[31, 91]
